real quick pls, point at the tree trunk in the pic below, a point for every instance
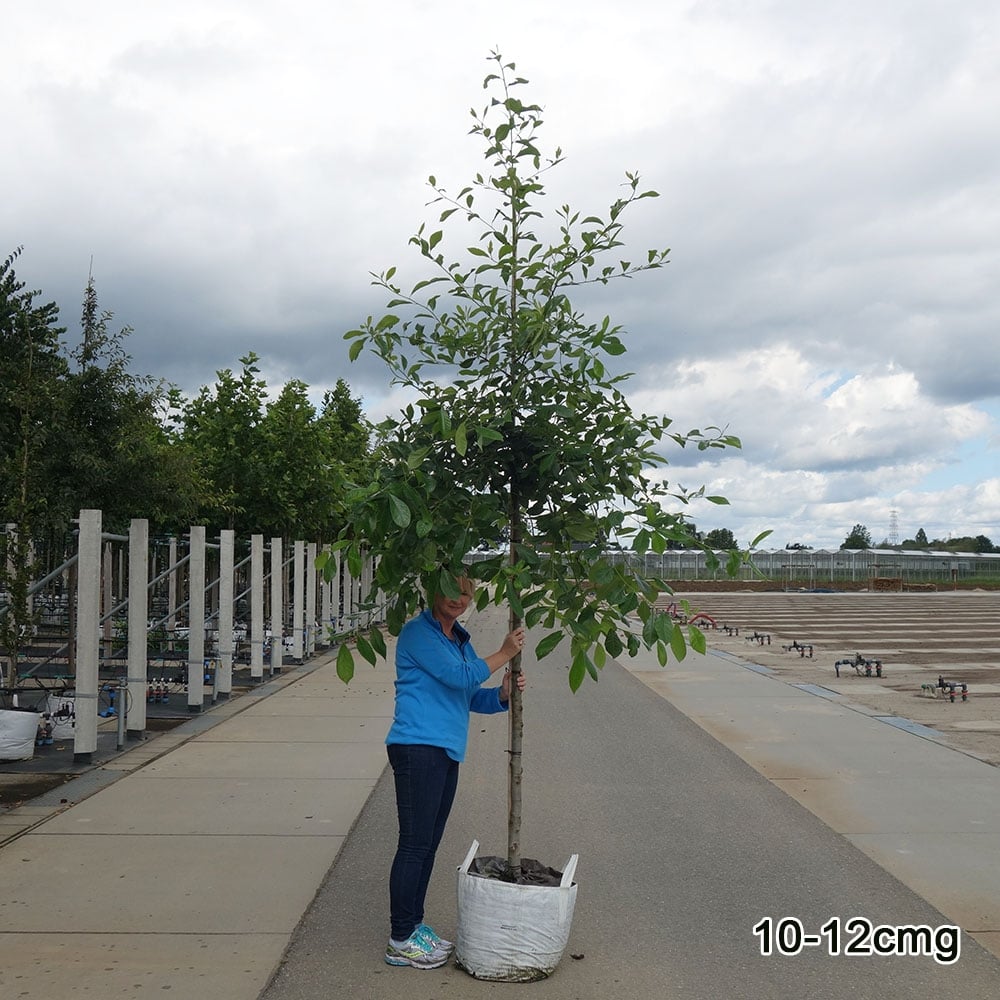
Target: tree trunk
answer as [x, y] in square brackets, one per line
[516, 718]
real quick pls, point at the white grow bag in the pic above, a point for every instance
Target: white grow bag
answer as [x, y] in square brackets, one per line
[17, 734]
[508, 932]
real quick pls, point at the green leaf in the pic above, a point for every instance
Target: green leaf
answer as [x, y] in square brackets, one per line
[514, 600]
[486, 434]
[399, 512]
[365, 649]
[600, 657]
[577, 671]
[345, 663]
[355, 350]
[461, 439]
[416, 458]
[354, 561]
[696, 639]
[664, 627]
[613, 644]
[677, 645]
[378, 641]
[548, 644]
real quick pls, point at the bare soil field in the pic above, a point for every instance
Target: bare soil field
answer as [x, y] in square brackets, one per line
[917, 637]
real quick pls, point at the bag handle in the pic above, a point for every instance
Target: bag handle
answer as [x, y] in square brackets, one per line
[569, 871]
[464, 866]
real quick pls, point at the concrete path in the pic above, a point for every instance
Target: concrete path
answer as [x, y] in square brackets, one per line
[186, 864]
[192, 872]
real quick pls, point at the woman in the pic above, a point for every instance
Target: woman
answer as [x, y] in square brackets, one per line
[439, 681]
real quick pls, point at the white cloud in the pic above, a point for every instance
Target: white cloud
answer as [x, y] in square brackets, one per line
[830, 181]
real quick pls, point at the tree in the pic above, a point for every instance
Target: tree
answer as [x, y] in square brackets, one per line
[347, 438]
[859, 538]
[302, 464]
[721, 538]
[222, 427]
[32, 375]
[31, 370]
[921, 537]
[113, 450]
[518, 426]
[275, 467]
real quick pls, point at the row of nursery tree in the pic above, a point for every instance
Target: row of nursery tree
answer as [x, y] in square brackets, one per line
[859, 537]
[82, 430]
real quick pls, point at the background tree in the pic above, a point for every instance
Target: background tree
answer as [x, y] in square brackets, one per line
[858, 538]
[518, 427]
[721, 538]
[32, 376]
[113, 450]
[31, 372]
[276, 467]
[306, 458]
[347, 432]
[222, 429]
[921, 537]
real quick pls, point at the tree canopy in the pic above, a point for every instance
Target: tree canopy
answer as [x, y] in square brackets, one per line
[859, 537]
[721, 538]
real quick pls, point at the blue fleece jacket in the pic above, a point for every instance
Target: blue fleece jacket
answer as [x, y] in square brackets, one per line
[438, 682]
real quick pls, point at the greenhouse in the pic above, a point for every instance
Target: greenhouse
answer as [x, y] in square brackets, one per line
[834, 568]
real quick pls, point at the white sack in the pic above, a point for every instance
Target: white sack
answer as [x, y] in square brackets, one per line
[509, 932]
[17, 734]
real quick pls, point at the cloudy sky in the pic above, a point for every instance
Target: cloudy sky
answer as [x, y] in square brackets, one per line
[830, 191]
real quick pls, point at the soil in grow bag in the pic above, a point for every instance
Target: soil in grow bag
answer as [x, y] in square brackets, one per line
[532, 872]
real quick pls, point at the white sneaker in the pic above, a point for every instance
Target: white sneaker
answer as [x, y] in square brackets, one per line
[416, 951]
[430, 935]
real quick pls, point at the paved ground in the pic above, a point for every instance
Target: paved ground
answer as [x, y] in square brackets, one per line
[917, 637]
[192, 871]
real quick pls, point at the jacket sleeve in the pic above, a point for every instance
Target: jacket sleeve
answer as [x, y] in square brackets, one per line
[486, 701]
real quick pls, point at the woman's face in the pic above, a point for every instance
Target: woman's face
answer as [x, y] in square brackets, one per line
[450, 608]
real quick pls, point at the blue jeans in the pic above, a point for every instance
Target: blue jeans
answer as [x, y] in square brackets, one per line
[426, 779]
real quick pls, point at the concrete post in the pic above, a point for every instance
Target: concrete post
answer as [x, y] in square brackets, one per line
[298, 601]
[277, 606]
[325, 610]
[336, 595]
[108, 603]
[310, 599]
[224, 666]
[138, 619]
[358, 593]
[365, 589]
[256, 608]
[88, 610]
[196, 620]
